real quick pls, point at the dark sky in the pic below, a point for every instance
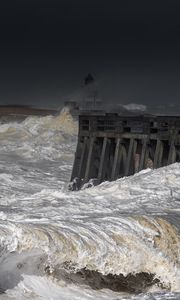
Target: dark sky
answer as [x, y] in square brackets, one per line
[131, 47]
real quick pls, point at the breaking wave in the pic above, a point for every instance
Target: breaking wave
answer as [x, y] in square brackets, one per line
[118, 240]
[129, 254]
[40, 137]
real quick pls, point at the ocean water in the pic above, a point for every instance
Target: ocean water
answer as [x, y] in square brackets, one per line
[119, 240]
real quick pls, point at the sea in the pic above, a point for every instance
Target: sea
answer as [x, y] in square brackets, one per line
[117, 241]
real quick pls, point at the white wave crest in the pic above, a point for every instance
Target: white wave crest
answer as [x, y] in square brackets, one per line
[123, 245]
[39, 137]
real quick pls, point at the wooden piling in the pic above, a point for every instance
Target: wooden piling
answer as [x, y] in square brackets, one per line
[129, 157]
[123, 161]
[161, 150]
[89, 161]
[117, 159]
[81, 165]
[134, 156]
[102, 160]
[172, 153]
[143, 152]
[157, 153]
[75, 169]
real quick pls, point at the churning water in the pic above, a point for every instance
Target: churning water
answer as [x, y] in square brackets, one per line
[119, 240]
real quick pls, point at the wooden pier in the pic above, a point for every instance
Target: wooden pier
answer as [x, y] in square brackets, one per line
[111, 146]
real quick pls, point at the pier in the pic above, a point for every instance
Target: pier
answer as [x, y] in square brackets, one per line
[111, 146]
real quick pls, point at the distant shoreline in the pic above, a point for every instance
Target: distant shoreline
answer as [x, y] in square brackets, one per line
[20, 112]
[25, 110]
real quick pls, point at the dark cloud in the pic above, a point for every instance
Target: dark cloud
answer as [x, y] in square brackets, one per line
[47, 47]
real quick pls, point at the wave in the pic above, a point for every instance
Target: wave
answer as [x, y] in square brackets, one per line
[120, 236]
[125, 253]
[40, 137]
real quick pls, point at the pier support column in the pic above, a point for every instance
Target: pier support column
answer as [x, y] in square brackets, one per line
[172, 153]
[76, 159]
[102, 160]
[157, 154]
[143, 152]
[81, 165]
[148, 162]
[134, 147]
[123, 161]
[89, 160]
[117, 159]
[135, 156]
[161, 150]
[129, 157]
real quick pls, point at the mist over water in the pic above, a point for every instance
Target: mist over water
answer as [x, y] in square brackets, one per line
[119, 240]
